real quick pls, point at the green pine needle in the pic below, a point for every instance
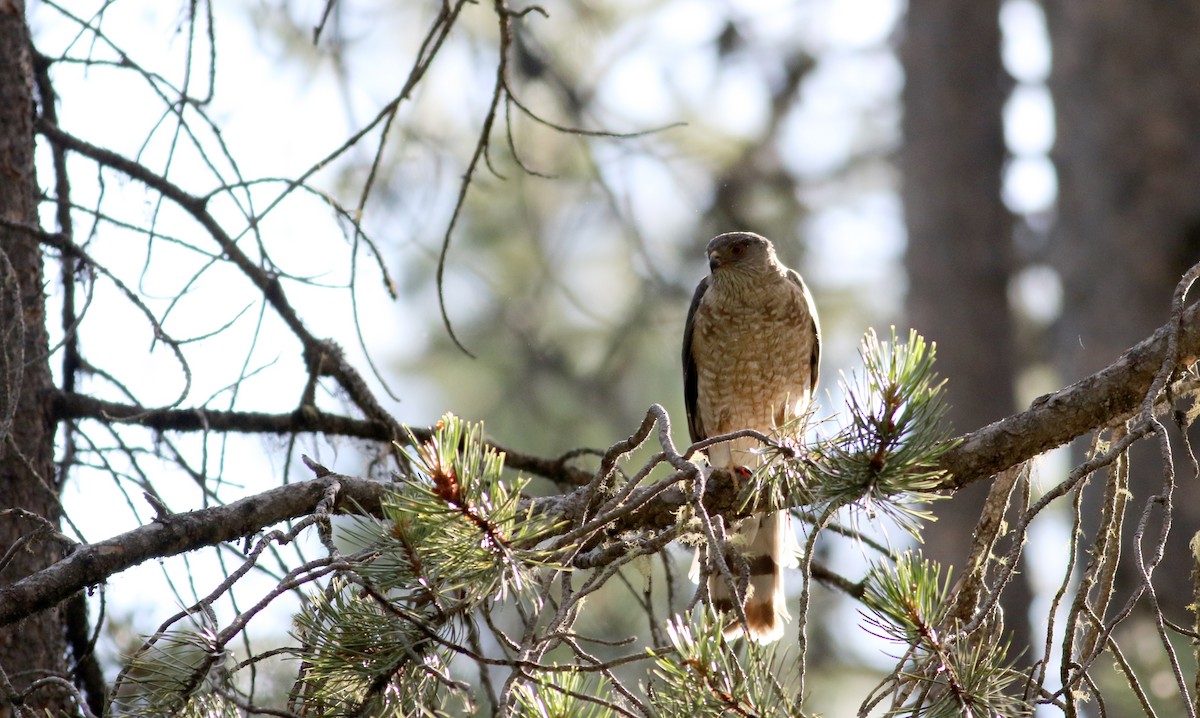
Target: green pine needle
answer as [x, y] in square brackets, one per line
[454, 536]
[907, 601]
[362, 654]
[564, 694]
[456, 530]
[953, 674]
[885, 460]
[703, 676]
[182, 672]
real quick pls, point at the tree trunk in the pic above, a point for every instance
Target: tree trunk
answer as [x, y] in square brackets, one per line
[35, 647]
[960, 254]
[1128, 157]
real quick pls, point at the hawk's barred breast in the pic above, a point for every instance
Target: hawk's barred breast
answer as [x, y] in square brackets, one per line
[753, 351]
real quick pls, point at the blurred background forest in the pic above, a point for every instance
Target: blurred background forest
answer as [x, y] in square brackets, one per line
[1015, 180]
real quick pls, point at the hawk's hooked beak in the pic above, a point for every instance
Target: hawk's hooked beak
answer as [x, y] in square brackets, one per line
[714, 261]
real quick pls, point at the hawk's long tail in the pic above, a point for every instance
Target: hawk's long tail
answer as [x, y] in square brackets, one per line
[767, 551]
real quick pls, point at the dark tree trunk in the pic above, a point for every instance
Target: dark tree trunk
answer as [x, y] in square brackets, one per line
[1128, 157]
[35, 647]
[959, 233]
[960, 254]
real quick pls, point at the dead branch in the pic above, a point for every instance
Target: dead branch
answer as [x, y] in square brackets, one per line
[78, 406]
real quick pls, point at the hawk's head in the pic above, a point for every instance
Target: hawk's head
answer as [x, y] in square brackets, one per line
[740, 253]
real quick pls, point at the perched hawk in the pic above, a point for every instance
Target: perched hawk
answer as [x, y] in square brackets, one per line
[750, 353]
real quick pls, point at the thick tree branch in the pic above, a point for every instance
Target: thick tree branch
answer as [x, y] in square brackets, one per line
[94, 563]
[1053, 420]
[67, 406]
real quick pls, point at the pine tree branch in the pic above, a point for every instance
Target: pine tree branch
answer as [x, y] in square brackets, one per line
[1110, 394]
[92, 564]
[324, 358]
[1053, 420]
[66, 406]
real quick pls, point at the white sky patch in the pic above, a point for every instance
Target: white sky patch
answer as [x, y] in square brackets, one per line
[1029, 120]
[1030, 180]
[1030, 184]
[682, 22]
[858, 24]
[740, 101]
[1038, 291]
[830, 124]
[816, 140]
[637, 85]
[1025, 47]
[856, 242]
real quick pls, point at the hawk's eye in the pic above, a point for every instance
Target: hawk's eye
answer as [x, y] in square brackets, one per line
[738, 249]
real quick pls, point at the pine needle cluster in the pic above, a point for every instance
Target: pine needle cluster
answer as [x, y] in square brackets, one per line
[564, 694]
[703, 676]
[943, 672]
[368, 655]
[698, 674]
[457, 525]
[454, 535]
[884, 460]
[179, 672]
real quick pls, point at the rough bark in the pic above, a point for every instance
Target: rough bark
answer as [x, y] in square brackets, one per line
[1128, 108]
[959, 255]
[174, 534]
[35, 647]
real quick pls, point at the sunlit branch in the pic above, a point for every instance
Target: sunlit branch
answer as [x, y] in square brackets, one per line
[1109, 395]
[178, 533]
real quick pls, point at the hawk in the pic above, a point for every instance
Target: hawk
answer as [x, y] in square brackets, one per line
[751, 347]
